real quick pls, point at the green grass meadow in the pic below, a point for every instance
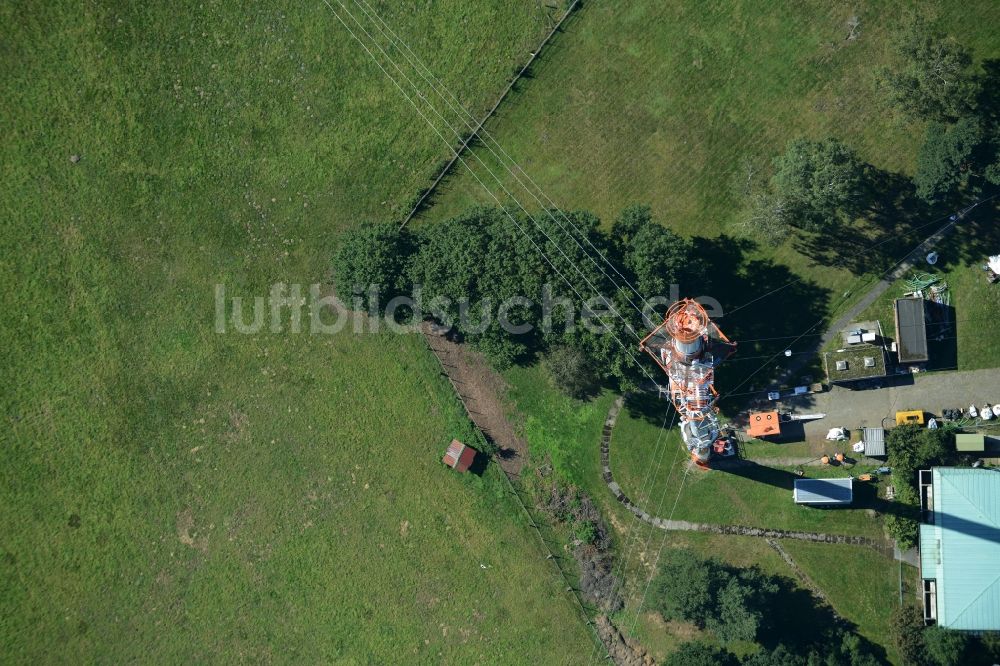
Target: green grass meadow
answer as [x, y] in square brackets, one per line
[170, 494]
[675, 104]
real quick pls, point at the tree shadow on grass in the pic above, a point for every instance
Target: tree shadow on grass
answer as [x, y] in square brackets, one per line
[801, 622]
[884, 232]
[765, 308]
[649, 407]
[976, 238]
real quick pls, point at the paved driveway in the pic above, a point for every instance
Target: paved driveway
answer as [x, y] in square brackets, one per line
[930, 392]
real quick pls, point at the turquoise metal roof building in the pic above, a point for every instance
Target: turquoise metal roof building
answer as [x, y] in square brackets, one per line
[960, 547]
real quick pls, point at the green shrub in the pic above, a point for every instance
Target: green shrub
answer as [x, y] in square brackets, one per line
[907, 626]
[569, 371]
[946, 647]
[699, 654]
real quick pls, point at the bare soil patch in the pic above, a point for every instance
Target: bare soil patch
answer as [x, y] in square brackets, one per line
[185, 526]
[481, 390]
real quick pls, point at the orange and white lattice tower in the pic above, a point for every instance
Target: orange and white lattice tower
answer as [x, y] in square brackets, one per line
[688, 346]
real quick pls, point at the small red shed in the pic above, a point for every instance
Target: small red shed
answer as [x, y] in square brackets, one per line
[459, 456]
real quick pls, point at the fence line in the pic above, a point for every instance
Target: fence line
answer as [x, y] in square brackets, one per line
[489, 114]
[512, 485]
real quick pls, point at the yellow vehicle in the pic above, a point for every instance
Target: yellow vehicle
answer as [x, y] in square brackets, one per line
[912, 417]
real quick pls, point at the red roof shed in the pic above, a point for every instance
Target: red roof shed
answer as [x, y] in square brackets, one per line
[459, 456]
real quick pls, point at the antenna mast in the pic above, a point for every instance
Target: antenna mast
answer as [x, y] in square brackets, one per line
[688, 347]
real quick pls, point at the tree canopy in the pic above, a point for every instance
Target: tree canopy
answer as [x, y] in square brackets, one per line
[820, 182]
[945, 160]
[932, 78]
[768, 219]
[653, 254]
[372, 254]
[730, 602]
[694, 653]
[946, 647]
[482, 272]
[569, 371]
[911, 448]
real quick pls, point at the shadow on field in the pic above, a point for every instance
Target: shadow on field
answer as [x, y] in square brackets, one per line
[865, 493]
[801, 623]
[770, 307]
[649, 407]
[481, 462]
[942, 336]
[977, 238]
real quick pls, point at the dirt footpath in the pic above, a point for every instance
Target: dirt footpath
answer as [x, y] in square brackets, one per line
[481, 389]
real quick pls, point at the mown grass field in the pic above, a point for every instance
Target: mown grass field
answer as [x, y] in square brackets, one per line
[675, 104]
[172, 494]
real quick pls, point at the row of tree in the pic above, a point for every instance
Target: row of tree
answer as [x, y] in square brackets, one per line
[469, 265]
[817, 186]
[920, 645]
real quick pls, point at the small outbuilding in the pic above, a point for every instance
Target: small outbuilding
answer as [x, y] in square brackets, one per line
[874, 440]
[764, 424]
[968, 443]
[824, 492]
[911, 330]
[459, 456]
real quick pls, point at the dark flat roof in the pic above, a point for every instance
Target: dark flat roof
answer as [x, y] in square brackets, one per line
[911, 330]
